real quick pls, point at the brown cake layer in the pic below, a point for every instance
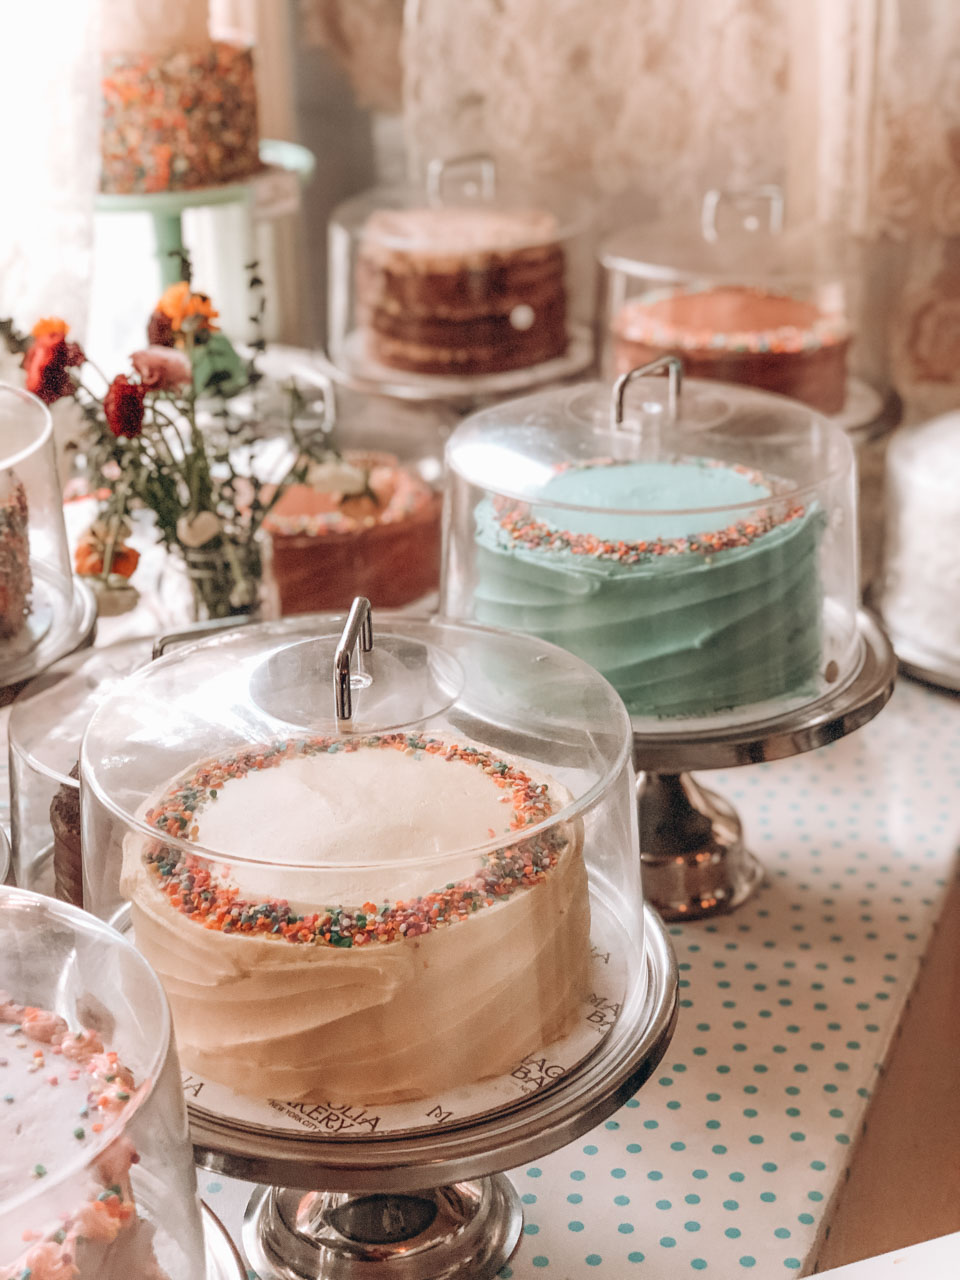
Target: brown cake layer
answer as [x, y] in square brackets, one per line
[519, 352]
[67, 857]
[16, 579]
[737, 334]
[461, 290]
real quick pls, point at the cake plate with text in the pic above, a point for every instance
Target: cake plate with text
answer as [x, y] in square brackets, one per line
[340, 1201]
[695, 862]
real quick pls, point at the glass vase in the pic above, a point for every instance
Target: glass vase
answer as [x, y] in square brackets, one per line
[229, 578]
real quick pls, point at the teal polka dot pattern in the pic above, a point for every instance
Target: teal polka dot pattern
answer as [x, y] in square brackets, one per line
[727, 1159]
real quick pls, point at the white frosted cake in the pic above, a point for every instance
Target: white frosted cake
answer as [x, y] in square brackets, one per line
[420, 943]
[64, 1096]
[921, 581]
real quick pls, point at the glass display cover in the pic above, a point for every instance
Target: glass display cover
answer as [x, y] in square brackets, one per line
[400, 902]
[695, 542]
[97, 1175]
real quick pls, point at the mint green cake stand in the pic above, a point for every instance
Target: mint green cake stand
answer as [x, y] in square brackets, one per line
[167, 207]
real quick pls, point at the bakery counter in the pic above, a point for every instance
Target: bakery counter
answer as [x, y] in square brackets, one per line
[784, 1132]
[796, 1016]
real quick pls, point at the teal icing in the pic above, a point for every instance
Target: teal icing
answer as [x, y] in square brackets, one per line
[692, 632]
[653, 488]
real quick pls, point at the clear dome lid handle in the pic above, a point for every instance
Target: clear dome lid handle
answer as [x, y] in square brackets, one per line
[670, 365]
[197, 631]
[357, 634]
[477, 173]
[744, 200]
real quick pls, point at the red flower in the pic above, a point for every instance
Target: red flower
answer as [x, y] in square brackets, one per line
[46, 364]
[160, 330]
[123, 407]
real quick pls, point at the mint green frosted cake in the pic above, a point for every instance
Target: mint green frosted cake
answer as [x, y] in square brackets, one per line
[681, 617]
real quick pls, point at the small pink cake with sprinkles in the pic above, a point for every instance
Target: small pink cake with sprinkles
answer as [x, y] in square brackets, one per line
[64, 1097]
[379, 538]
[375, 918]
[736, 333]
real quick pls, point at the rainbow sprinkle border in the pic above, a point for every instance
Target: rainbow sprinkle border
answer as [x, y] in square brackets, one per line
[192, 889]
[536, 535]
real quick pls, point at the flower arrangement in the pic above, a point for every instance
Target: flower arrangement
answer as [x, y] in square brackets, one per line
[166, 435]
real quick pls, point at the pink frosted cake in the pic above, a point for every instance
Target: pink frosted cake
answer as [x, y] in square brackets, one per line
[380, 540]
[179, 109]
[63, 1095]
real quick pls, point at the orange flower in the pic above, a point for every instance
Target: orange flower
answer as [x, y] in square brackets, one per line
[181, 306]
[88, 559]
[52, 326]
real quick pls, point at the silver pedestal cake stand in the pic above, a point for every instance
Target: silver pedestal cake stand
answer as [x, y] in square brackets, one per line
[427, 1203]
[695, 862]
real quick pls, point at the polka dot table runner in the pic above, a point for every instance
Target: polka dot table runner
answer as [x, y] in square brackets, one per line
[728, 1160]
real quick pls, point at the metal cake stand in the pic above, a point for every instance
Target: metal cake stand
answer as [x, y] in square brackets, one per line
[429, 1204]
[74, 629]
[695, 862]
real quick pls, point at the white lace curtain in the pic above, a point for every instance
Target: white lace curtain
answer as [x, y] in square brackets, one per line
[853, 106]
[49, 157]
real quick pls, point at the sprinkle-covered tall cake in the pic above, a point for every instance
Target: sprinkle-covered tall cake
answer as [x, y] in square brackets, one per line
[16, 578]
[179, 108]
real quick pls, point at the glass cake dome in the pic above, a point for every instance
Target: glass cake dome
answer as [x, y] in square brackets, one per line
[466, 284]
[97, 1175]
[47, 721]
[739, 298]
[43, 611]
[378, 865]
[694, 541]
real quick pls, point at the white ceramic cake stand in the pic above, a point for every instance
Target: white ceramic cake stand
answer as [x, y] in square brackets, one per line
[695, 862]
[923, 663]
[430, 1203]
[354, 368]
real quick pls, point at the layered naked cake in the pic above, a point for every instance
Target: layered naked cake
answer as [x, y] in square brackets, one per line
[67, 850]
[65, 1097]
[738, 334]
[681, 617]
[461, 290]
[179, 108]
[370, 529]
[422, 942]
[16, 579]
